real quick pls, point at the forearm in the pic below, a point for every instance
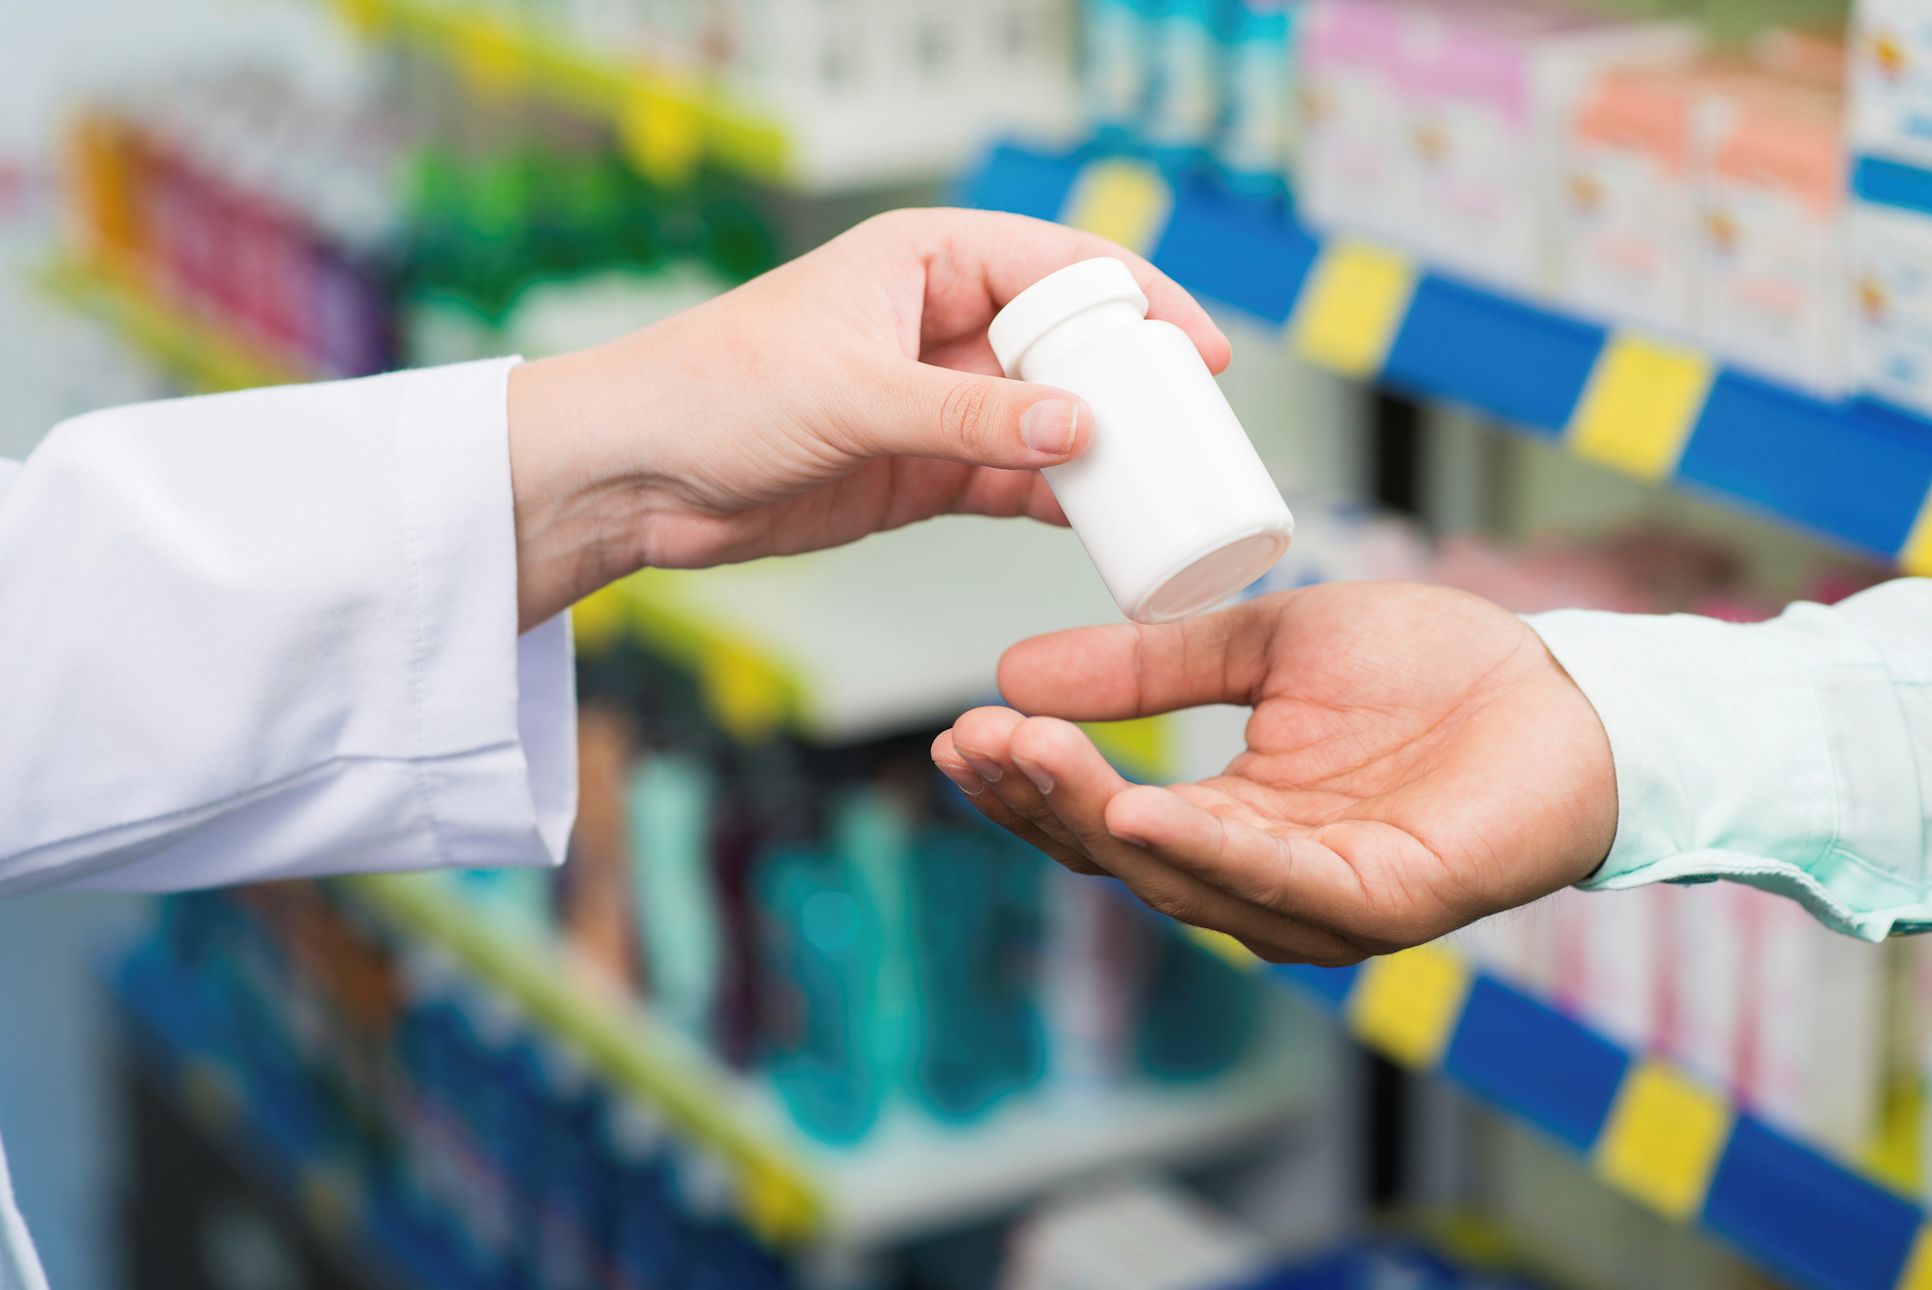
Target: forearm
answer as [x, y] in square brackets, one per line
[275, 633]
[1794, 755]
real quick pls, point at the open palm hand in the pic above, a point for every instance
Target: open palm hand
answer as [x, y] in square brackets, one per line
[1415, 760]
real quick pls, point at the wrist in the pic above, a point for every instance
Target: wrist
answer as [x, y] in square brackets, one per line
[580, 521]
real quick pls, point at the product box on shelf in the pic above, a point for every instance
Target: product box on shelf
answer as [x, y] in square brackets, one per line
[1891, 74]
[1706, 1020]
[1627, 223]
[1495, 84]
[1816, 56]
[1814, 1060]
[1439, 126]
[1356, 174]
[1776, 244]
[1116, 67]
[1257, 144]
[1184, 89]
[1891, 288]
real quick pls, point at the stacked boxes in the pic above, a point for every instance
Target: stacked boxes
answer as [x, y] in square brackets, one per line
[1892, 135]
[1201, 87]
[1440, 127]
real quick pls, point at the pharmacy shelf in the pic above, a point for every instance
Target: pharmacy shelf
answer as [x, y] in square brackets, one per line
[886, 1192]
[1645, 1127]
[1854, 473]
[773, 1187]
[911, 1175]
[274, 1132]
[669, 123]
[885, 635]
[203, 354]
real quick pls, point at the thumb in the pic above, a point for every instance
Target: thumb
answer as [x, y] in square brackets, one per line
[919, 410]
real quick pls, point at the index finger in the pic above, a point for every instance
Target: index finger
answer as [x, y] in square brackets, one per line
[980, 260]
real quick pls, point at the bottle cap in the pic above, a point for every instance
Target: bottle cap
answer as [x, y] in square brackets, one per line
[1054, 299]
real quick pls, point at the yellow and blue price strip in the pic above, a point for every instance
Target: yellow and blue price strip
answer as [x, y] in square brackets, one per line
[1647, 1129]
[1660, 411]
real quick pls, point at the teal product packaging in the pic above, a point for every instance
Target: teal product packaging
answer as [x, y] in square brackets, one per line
[1256, 142]
[980, 917]
[1199, 1013]
[1117, 71]
[1185, 103]
[669, 808]
[822, 953]
[872, 832]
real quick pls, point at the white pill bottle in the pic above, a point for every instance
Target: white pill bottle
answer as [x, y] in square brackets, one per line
[1171, 500]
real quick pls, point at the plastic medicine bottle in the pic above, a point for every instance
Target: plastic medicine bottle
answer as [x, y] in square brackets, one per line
[1171, 500]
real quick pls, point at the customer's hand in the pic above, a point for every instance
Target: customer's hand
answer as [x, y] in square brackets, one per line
[1416, 760]
[849, 391]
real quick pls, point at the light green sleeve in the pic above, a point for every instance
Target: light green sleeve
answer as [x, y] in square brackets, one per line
[1794, 755]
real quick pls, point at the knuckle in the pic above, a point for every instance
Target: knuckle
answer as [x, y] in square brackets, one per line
[1171, 904]
[967, 413]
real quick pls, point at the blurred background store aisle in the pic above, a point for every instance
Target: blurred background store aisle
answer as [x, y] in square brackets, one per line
[1623, 305]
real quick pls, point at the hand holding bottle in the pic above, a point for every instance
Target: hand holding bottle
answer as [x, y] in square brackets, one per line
[849, 391]
[1415, 761]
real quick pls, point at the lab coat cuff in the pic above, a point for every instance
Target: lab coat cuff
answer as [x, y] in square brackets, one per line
[1758, 753]
[496, 716]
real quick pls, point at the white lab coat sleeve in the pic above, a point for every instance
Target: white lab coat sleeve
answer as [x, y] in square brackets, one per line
[1794, 755]
[274, 633]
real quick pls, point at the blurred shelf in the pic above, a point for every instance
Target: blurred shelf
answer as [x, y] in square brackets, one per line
[885, 1192]
[669, 122]
[1646, 1128]
[1856, 473]
[912, 1175]
[274, 1132]
[203, 354]
[888, 634]
[773, 1188]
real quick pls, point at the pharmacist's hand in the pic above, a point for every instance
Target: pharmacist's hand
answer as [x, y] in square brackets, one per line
[849, 391]
[1416, 760]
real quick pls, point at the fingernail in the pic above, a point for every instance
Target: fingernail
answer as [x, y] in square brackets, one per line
[963, 779]
[1049, 427]
[1041, 780]
[988, 770]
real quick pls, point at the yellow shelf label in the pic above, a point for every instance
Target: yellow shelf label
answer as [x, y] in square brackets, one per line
[598, 620]
[1407, 1005]
[1916, 559]
[1353, 306]
[1123, 201]
[773, 1206]
[1918, 1264]
[1141, 746]
[363, 17]
[1223, 946]
[1642, 402]
[1662, 1142]
[662, 132]
[489, 54]
[748, 697]
[748, 143]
